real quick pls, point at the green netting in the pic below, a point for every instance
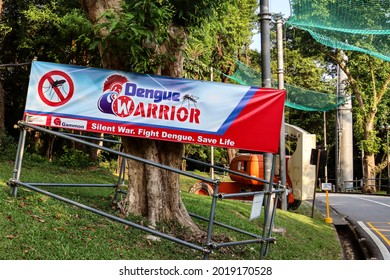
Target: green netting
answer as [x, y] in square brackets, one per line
[356, 25]
[297, 98]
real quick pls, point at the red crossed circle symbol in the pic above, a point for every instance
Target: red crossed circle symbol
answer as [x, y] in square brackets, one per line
[55, 88]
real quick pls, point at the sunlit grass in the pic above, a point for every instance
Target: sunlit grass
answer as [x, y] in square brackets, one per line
[34, 226]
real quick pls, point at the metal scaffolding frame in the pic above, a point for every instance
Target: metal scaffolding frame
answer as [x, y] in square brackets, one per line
[265, 238]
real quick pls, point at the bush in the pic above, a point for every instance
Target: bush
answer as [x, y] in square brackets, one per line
[73, 158]
[8, 145]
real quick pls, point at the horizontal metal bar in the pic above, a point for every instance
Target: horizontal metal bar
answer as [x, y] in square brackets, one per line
[94, 138]
[225, 226]
[121, 191]
[71, 185]
[112, 217]
[244, 194]
[243, 242]
[139, 159]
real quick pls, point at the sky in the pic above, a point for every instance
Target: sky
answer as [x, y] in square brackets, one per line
[275, 6]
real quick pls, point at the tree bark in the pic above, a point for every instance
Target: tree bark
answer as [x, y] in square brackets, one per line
[231, 154]
[369, 174]
[2, 108]
[152, 192]
[2, 95]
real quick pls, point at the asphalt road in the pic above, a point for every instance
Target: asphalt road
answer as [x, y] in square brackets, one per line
[369, 214]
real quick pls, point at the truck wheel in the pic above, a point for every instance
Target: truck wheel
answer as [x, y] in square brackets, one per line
[294, 205]
[201, 188]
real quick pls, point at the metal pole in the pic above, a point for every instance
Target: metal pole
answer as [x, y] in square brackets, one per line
[112, 217]
[282, 148]
[139, 159]
[315, 183]
[211, 221]
[212, 147]
[388, 159]
[265, 18]
[18, 161]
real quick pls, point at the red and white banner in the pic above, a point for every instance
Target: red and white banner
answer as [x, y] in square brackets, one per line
[155, 107]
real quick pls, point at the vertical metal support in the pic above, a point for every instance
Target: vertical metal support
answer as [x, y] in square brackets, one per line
[18, 160]
[269, 207]
[211, 219]
[273, 214]
[212, 147]
[121, 177]
[282, 145]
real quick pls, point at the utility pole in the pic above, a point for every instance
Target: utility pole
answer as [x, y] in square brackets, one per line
[265, 18]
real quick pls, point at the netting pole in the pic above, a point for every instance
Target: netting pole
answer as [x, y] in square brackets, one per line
[265, 18]
[282, 148]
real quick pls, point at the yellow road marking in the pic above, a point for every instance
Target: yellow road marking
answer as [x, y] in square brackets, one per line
[379, 231]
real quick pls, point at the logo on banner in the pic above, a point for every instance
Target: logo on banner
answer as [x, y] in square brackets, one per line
[55, 88]
[69, 123]
[123, 98]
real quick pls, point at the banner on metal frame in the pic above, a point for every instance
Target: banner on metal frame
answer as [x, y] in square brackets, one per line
[155, 107]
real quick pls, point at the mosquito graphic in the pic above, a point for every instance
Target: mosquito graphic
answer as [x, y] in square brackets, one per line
[190, 99]
[53, 85]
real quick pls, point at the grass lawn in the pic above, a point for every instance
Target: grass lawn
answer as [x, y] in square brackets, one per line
[36, 227]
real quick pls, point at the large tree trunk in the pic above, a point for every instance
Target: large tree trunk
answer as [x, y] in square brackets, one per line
[369, 173]
[2, 95]
[153, 192]
[2, 108]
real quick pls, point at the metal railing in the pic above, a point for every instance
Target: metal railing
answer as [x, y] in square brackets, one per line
[265, 238]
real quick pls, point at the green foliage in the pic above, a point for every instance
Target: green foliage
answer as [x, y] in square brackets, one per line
[8, 145]
[4, 29]
[73, 158]
[56, 31]
[36, 158]
[203, 153]
[370, 81]
[221, 40]
[194, 13]
[69, 30]
[137, 31]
